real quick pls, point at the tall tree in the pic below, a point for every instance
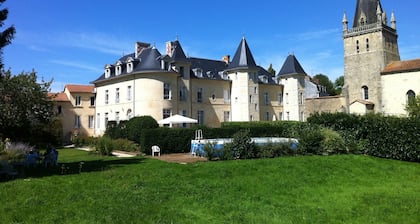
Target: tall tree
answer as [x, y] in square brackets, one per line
[25, 106]
[271, 70]
[338, 85]
[323, 80]
[6, 35]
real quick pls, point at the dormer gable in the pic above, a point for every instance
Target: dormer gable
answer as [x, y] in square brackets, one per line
[108, 68]
[118, 68]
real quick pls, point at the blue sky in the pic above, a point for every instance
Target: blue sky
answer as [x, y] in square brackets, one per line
[71, 41]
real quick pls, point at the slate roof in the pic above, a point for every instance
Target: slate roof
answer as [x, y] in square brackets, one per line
[291, 67]
[402, 66]
[243, 57]
[369, 8]
[211, 69]
[177, 52]
[149, 60]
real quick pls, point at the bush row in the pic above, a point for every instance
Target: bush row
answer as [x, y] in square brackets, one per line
[375, 134]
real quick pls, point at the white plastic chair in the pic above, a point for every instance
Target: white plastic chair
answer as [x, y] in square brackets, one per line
[155, 149]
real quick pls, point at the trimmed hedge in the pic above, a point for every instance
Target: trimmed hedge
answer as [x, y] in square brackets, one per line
[375, 134]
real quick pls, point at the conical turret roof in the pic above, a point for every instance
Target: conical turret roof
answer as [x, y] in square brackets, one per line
[243, 57]
[291, 67]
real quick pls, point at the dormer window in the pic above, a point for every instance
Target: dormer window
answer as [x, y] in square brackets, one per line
[265, 79]
[107, 71]
[118, 69]
[130, 65]
[198, 72]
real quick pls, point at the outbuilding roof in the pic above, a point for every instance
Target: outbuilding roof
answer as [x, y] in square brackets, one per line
[402, 66]
[80, 88]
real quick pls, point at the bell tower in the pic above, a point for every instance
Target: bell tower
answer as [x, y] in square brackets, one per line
[369, 46]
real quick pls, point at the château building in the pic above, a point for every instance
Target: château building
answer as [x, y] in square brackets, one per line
[212, 91]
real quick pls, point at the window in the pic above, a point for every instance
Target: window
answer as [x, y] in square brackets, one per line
[117, 95]
[90, 121]
[367, 44]
[183, 94]
[280, 99]
[226, 96]
[281, 116]
[287, 98]
[288, 115]
[59, 109]
[300, 98]
[256, 107]
[410, 95]
[357, 46]
[78, 101]
[183, 113]
[77, 123]
[200, 95]
[129, 114]
[92, 101]
[365, 92]
[98, 120]
[118, 70]
[213, 97]
[106, 120]
[266, 99]
[226, 116]
[166, 91]
[250, 98]
[128, 93]
[267, 116]
[181, 71]
[106, 96]
[117, 117]
[255, 90]
[166, 113]
[200, 116]
[302, 116]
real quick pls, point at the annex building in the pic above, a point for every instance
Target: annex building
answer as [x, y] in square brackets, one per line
[375, 79]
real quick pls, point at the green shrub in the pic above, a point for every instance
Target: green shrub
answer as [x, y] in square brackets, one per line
[243, 146]
[105, 146]
[310, 139]
[126, 145]
[332, 142]
[135, 126]
[16, 152]
[227, 152]
[272, 150]
[84, 141]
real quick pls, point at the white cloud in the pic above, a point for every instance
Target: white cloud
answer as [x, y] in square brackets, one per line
[79, 65]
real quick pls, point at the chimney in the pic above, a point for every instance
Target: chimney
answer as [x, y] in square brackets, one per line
[139, 47]
[226, 59]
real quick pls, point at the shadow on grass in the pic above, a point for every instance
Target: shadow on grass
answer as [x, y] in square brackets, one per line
[71, 168]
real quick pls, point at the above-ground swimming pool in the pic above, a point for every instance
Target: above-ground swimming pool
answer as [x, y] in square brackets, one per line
[197, 145]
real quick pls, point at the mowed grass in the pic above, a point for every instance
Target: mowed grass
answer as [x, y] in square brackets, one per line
[310, 189]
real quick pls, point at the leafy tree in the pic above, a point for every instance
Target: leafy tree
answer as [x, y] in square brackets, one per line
[338, 85]
[6, 35]
[413, 107]
[271, 70]
[323, 80]
[26, 109]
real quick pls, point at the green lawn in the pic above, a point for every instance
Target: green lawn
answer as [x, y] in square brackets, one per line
[312, 189]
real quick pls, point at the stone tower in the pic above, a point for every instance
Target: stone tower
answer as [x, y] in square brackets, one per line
[244, 75]
[368, 47]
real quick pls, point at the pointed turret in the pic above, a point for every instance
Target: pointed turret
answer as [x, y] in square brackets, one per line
[393, 21]
[291, 67]
[366, 12]
[243, 57]
[345, 22]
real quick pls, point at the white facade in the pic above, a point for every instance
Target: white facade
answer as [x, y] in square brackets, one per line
[395, 89]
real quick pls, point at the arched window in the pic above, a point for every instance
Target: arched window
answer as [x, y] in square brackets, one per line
[365, 92]
[410, 95]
